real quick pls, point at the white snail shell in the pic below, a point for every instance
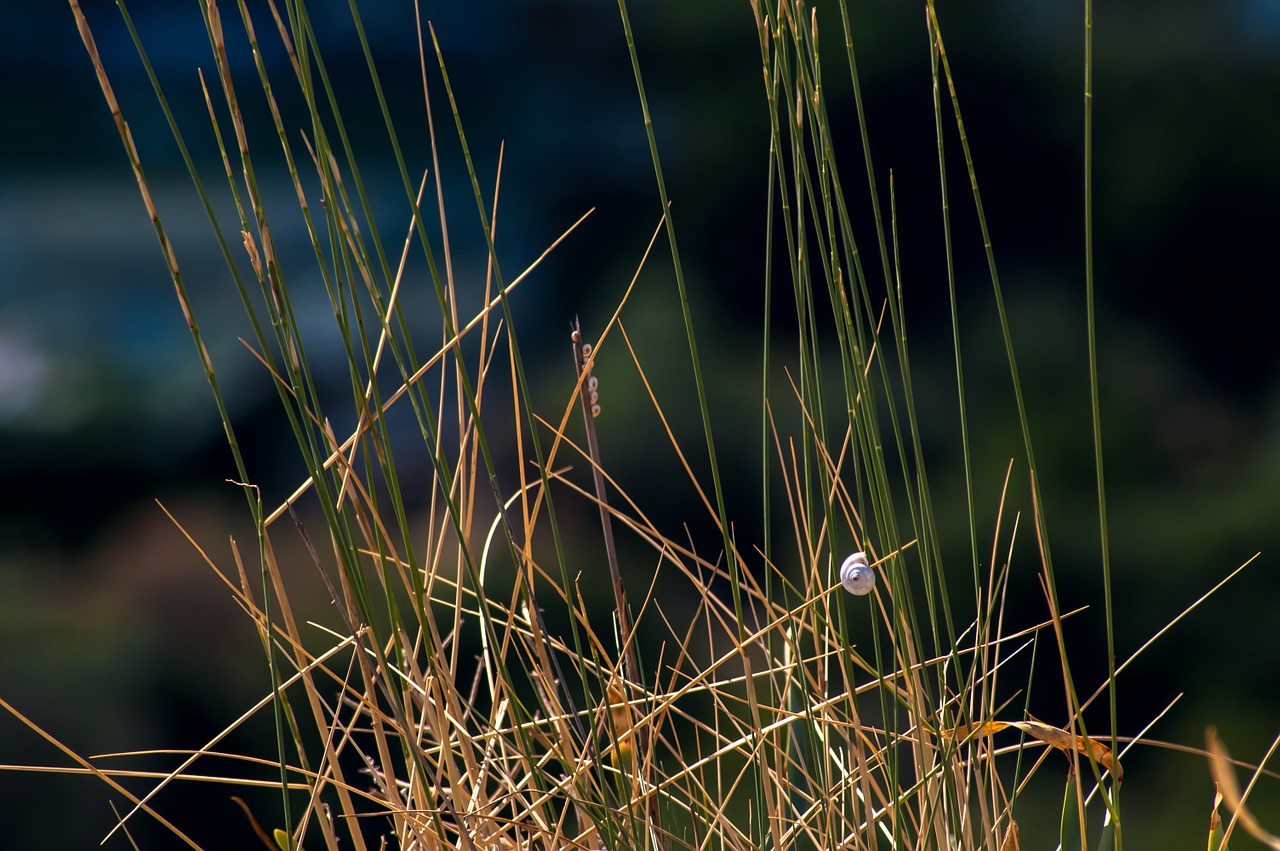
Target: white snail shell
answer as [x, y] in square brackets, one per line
[856, 575]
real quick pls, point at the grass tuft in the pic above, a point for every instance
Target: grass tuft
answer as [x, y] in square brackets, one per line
[465, 687]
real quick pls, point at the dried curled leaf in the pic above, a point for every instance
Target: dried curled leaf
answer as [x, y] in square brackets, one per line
[1011, 838]
[1054, 737]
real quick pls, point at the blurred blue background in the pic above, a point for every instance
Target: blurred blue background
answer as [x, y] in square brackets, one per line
[119, 637]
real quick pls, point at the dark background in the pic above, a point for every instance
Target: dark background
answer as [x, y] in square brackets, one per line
[118, 637]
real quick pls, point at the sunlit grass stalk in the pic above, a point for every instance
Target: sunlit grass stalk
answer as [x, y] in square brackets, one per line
[1039, 515]
[1095, 405]
[178, 280]
[729, 551]
[839, 266]
[686, 313]
[315, 441]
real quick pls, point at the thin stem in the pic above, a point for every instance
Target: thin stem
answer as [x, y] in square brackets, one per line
[1095, 404]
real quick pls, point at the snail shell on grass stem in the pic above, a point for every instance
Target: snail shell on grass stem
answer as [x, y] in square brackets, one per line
[856, 575]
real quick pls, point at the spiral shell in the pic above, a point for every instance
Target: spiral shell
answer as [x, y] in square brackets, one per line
[856, 575]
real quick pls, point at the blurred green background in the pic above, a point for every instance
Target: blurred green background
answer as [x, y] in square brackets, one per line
[117, 636]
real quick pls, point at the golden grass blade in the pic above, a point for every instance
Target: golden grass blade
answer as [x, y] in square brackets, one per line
[90, 768]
